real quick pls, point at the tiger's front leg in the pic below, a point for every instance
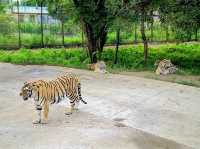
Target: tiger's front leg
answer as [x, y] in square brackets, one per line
[38, 110]
[45, 112]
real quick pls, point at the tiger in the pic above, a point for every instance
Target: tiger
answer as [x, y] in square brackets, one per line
[99, 67]
[165, 67]
[53, 91]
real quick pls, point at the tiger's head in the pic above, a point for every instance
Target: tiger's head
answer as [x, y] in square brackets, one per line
[26, 91]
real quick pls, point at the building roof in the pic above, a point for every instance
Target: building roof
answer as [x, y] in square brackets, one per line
[29, 10]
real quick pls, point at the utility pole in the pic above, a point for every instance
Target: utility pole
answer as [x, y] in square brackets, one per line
[117, 45]
[18, 23]
[62, 26]
[41, 23]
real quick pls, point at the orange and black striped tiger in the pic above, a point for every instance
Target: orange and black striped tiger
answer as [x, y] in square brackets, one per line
[50, 92]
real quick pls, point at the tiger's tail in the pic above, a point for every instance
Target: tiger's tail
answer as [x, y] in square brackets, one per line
[79, 93]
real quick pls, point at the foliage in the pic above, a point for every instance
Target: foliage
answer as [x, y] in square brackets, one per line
[7, 25]
[71, 58]
[183, 16]
[185, 56]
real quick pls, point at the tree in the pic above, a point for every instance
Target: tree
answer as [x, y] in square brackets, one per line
[58, 9]
[93, 16]
[96, 16]
[144, 8]
[141, 7]
[164, 15]
[151, 20]
[29, 2]
[41, 4]
[183, 16]
[7, 25]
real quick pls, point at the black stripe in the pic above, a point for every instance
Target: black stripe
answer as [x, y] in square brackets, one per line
[57, 88]
[60, 88]
[63, 85]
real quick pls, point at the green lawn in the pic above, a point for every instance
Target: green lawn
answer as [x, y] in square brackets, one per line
[185, 56]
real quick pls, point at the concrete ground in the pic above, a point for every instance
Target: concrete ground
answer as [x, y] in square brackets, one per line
[123, 112]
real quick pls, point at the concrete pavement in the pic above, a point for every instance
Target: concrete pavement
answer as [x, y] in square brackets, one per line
[122, 112]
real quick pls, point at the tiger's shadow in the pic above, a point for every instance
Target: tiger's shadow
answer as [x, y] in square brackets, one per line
[79, 118]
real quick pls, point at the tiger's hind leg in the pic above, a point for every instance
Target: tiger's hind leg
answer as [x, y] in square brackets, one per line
[70, 110]
[78, 98]
[76, 105]
[72, 99]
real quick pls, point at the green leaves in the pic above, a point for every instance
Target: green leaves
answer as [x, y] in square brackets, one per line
[183, 16]
[185, 56]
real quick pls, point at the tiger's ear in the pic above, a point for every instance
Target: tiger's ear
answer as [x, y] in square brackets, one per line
[20, 94]
[25, 83]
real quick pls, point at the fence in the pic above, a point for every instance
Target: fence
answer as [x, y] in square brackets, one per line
[33, 27]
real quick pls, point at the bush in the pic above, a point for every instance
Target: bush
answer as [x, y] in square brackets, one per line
[63, 57]
[7, 25]
[185, 56]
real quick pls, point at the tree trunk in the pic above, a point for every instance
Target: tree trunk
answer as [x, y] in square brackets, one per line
[167, 33]
[135, 33]
[41, 24]
[151, 31]
[91, 42]
[144, 39]
[82, 35]
[151, 25]
[62, 30]
[196, 34]
[102, 40]
[95, 43]
[117, 45]
[95, 29]
[82, 39]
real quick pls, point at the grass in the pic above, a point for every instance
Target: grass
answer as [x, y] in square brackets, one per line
[190, 83]
[70, 57]
[186, 56]
[34, 40]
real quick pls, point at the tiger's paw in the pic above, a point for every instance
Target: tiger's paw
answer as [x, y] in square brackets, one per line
[68, 111]
[36, 122]
[44, 122]
[76, 109]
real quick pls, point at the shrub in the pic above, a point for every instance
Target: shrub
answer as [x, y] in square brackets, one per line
[185, 56]
[7, 24]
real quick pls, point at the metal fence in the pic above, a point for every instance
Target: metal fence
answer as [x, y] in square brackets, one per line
[33, 27]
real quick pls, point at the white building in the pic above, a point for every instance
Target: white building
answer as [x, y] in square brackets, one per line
[33, 14]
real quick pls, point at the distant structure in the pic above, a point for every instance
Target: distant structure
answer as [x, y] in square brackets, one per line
[33, 14]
